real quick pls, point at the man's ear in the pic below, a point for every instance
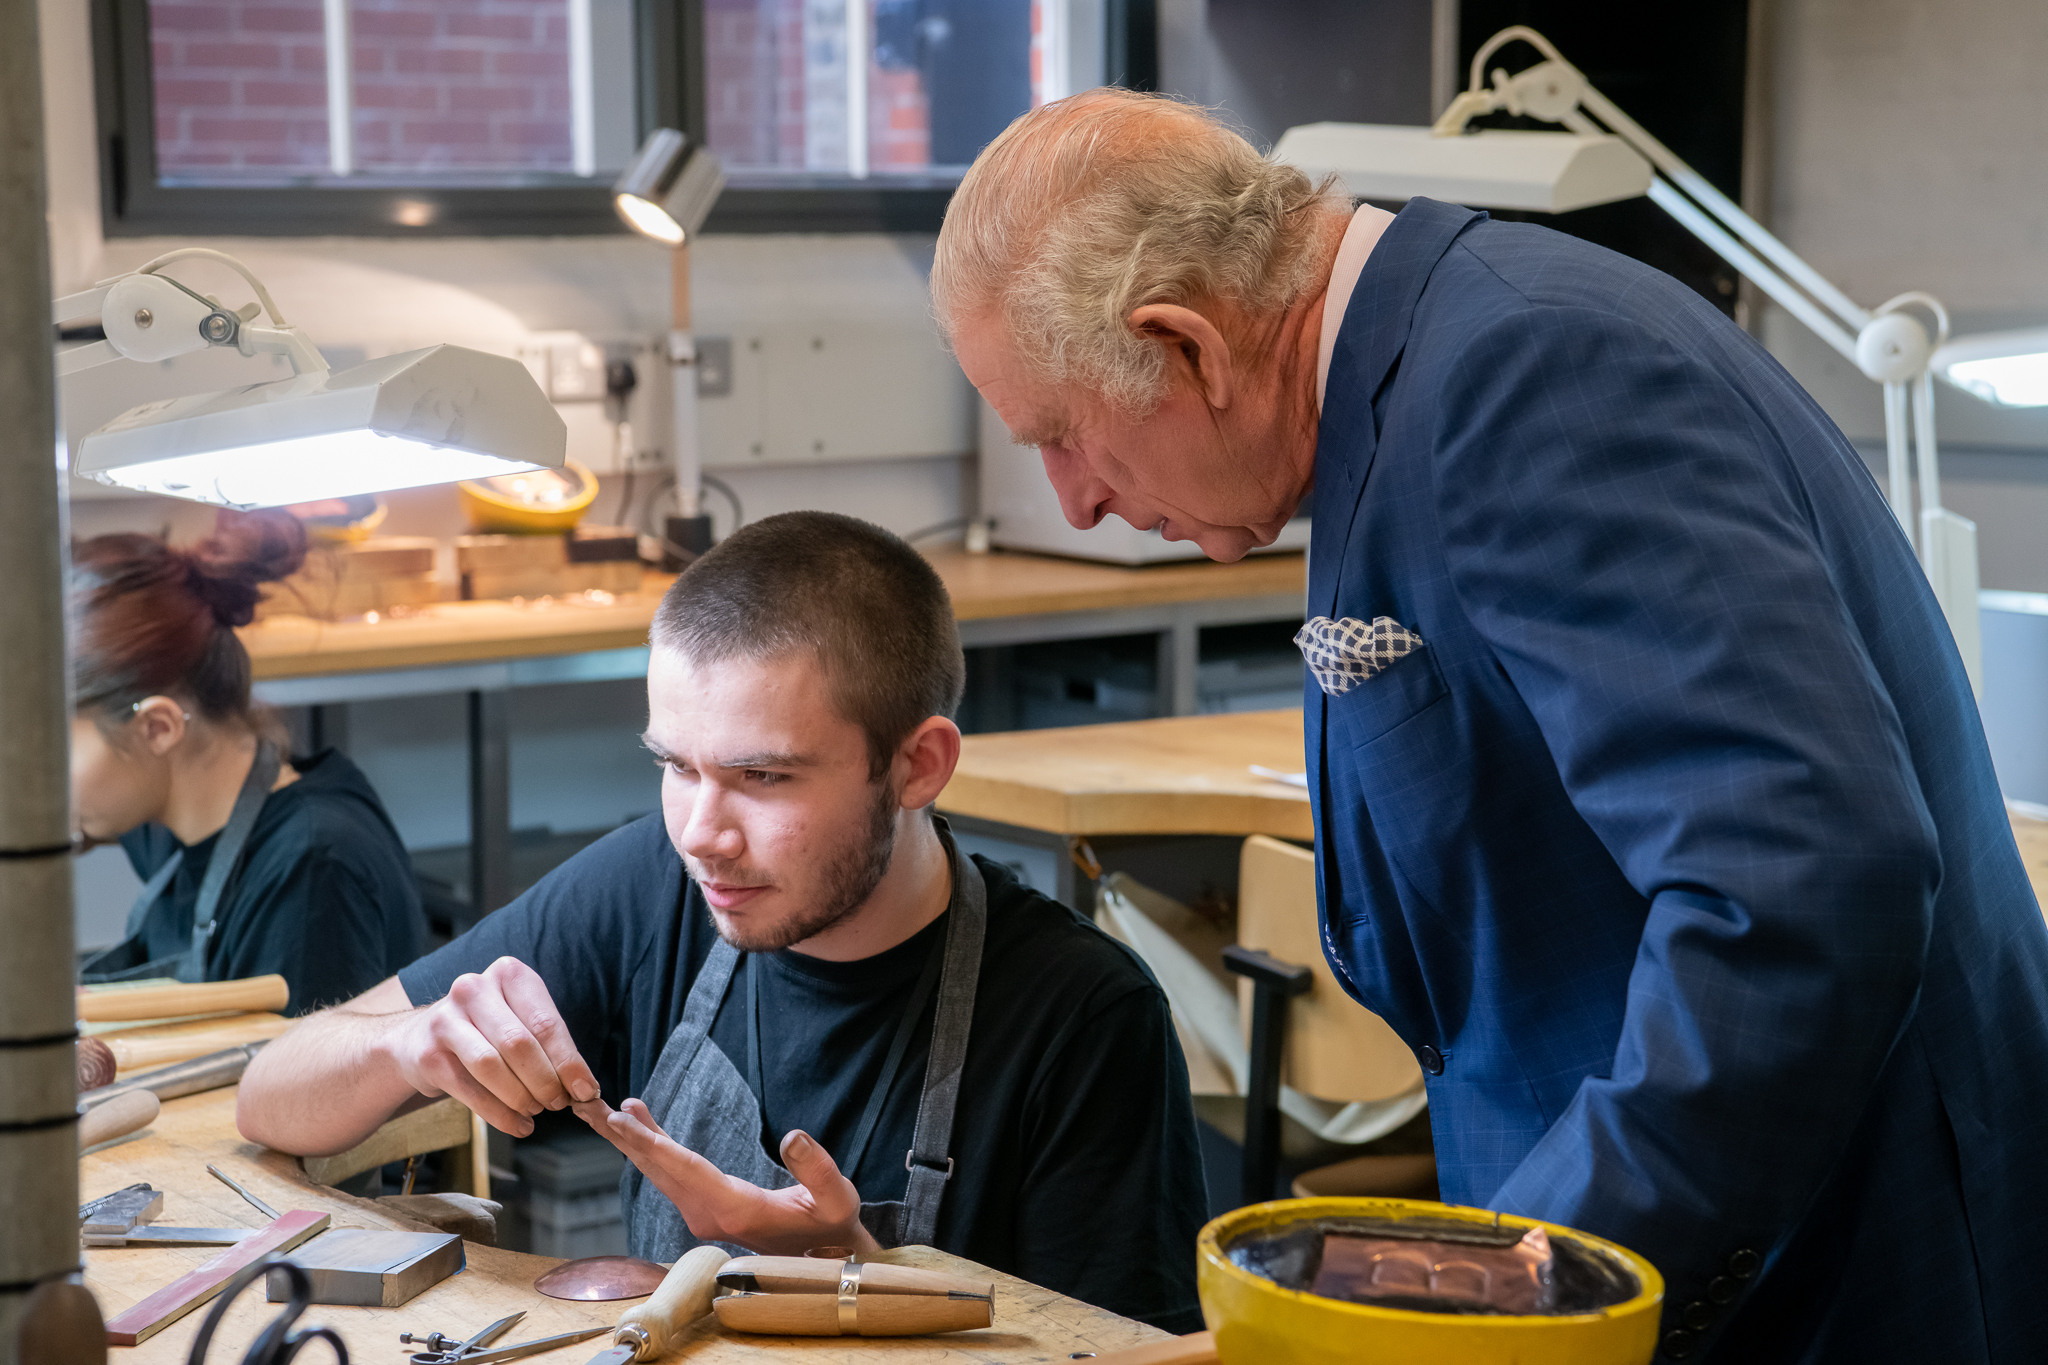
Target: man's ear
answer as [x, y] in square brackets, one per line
[159, 725]
[926, 761]
[1196, 353]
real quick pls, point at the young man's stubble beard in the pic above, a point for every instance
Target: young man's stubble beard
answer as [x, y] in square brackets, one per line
[852, 873]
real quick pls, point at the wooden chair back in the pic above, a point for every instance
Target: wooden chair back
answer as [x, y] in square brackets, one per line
[1336, 1049]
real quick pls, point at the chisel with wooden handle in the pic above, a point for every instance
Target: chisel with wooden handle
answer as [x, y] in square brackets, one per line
[118, 1117]
[647, 1330]
[199, 997]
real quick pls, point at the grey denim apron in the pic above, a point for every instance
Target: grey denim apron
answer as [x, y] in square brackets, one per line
[122, 962]
[699, 1097]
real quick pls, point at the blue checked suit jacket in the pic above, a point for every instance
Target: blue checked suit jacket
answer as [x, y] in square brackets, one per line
[1678, 843]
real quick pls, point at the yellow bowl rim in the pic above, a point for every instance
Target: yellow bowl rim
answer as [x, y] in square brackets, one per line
[1209, 1249]
[475, 488]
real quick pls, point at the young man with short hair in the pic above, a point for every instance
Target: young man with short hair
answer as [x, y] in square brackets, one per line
[796, 961]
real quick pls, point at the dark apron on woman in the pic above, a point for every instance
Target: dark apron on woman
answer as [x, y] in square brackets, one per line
[699, 1097]
[125, 961]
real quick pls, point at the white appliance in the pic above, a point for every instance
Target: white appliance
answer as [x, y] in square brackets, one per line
[1023, 513]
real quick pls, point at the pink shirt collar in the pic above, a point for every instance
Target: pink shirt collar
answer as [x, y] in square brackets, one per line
[1359, 239]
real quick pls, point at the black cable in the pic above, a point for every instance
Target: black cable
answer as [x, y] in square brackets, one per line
[625, 501]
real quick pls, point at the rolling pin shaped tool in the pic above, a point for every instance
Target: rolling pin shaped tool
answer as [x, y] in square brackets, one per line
[799, 1296]
[647, 1330]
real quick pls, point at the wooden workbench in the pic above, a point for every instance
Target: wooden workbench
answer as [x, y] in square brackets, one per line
[1183, 775]
[983, 587]
[1032, 1324]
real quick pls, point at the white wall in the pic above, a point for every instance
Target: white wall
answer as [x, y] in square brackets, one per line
[1911, 152]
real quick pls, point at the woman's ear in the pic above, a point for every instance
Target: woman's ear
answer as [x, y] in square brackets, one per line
[159, 725]
[926, 761]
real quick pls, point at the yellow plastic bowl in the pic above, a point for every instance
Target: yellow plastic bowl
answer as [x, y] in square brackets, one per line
[545, 502]
[1257, 1322]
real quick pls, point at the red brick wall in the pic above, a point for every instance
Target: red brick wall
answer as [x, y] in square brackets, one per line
[241, 85]
[462, 84]
[439, 85]
[754, 97]
[754, 81]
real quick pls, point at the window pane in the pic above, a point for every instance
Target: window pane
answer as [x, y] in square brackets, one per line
[241, 88]
[442, 91]
[462, 85]
[943, 77]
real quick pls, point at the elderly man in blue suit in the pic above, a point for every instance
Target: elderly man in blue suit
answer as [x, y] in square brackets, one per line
[1652, 807]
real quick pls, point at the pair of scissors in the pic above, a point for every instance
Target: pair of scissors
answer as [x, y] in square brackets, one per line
[276, 1344]
[524, 1348]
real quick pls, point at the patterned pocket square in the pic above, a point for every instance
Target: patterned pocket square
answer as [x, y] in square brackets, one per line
[1343, 654]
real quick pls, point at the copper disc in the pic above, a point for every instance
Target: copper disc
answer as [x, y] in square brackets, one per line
[599, 1279]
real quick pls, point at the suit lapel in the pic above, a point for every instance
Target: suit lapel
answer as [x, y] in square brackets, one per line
[1370, 341]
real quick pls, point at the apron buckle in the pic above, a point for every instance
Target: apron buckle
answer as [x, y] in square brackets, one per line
[911, 1160]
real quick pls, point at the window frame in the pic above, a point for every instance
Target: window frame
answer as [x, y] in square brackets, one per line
[671, 90]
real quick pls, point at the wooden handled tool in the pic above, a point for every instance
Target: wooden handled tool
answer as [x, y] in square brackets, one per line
[1199, 1349]
[649, 1330]
[210, 1072]
[167, 1002]
[118, 1117]
[806, 1275]
[868, 1315]
[182, 1042]
[96, 1065]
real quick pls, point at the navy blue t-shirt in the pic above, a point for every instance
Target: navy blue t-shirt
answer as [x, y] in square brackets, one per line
[1076, 1164]
[325, 896]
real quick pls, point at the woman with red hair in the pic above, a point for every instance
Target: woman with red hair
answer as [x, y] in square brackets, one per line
[253, 862]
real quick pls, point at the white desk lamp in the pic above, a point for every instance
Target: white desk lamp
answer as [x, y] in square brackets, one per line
[1604, 156]
[431, 416]
[665, 196]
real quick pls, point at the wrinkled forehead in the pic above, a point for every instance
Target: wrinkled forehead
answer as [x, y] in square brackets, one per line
[1034, 409]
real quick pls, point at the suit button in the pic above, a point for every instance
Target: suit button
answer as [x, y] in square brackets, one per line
[1678, 1345]
[1432, 1060]
[1744, 1264]
[1722, 1289]
[1697, 1315]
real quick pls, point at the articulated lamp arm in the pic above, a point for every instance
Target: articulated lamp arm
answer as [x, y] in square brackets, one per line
[149, 316]
[1887, 344]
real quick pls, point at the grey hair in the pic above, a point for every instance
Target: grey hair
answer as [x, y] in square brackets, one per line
[1107, 201]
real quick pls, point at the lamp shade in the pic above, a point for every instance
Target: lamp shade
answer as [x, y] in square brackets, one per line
[2006, 368]
[668, 191]
[433, 416]
[1496, 168]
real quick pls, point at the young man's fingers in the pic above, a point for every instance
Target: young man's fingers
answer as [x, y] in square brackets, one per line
[450, 1078]
[483, 1004]
[460, 1050]
[832, 1194]
[527, 996]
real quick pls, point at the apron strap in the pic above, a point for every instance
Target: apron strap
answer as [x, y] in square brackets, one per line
[928, 1161]
[691, 1031]
[138, 913]
[227, 854]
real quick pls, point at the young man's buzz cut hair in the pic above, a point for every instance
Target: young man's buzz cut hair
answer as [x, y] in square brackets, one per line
[857, 598]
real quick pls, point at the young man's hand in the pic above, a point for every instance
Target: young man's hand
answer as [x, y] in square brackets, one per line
[496, 1043]
[821, 1209]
